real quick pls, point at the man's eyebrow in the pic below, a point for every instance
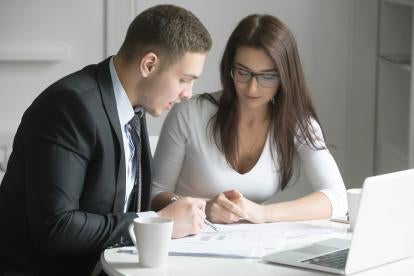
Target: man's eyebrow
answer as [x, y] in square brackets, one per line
[262, 71]
[191, 76]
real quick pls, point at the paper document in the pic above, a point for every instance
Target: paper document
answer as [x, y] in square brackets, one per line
[243, 240]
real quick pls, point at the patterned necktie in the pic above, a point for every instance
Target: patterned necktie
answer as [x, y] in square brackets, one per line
[135, 131]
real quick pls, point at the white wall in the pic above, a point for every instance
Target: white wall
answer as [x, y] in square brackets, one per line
[330, 40]
[361, 95]
[40, 26]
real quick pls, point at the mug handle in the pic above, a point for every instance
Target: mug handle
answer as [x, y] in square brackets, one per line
[132, 234]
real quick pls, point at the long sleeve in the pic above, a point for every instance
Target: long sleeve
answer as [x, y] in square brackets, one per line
[59, 150]
[323, 173]
[170, 152]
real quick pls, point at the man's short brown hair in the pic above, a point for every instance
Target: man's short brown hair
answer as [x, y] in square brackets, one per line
[167, 30]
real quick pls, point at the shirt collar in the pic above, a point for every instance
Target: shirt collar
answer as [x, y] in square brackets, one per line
[123, 105]
[139, 110]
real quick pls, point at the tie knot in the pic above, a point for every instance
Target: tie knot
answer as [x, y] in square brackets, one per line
[135, 121]
[139, 113]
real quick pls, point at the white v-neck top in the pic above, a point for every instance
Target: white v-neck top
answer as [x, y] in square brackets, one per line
[188, 162]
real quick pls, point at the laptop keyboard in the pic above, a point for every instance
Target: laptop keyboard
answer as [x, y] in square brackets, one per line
[335, 259]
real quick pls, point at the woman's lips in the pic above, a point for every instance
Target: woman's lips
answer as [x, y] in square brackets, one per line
[252, 97]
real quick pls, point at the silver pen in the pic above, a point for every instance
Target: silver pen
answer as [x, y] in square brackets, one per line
[212, 226]
[206, 222]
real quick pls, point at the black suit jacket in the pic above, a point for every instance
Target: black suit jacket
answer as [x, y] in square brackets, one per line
[62, 197]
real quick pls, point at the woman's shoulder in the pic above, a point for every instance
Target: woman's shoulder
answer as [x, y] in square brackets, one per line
[315, 131]
[207, 100]
[199, 105]
[312, 125]
[315, 125]
[215, 96]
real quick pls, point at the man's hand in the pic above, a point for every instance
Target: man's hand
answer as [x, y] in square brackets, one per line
[221, 209]
[188, 215]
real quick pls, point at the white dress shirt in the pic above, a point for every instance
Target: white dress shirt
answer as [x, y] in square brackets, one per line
[125, 114]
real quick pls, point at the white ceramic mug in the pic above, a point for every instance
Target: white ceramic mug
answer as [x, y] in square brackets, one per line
[151, 236]
[353, 196]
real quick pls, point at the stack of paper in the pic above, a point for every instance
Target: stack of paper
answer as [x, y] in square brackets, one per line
[243, 240]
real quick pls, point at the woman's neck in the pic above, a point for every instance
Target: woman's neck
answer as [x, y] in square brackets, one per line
[249, 118]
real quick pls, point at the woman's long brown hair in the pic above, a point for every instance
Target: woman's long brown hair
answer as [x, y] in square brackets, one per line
[291, 109]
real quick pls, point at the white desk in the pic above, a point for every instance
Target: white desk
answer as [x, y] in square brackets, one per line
[120, 261]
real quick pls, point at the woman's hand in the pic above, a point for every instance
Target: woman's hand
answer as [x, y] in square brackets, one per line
[254, 211]
[221, 209]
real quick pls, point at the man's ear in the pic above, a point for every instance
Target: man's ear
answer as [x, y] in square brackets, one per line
[148, 64]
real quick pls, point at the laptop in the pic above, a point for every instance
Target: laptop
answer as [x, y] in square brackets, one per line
[383, 231]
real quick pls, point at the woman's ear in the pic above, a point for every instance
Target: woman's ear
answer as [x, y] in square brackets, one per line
[148, 64]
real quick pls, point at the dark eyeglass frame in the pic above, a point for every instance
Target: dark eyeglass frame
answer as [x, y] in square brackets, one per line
[267, 83]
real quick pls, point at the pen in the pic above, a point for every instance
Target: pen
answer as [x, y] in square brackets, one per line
[206, 222]
[212, 226]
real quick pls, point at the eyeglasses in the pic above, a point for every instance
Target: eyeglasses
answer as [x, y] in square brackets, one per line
[268, 80]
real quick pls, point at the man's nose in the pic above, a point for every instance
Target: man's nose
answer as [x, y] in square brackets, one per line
[186, 94]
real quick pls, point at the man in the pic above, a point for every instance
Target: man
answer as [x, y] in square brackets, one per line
[80, 169]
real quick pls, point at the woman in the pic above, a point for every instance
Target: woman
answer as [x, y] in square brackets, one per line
[236, 148]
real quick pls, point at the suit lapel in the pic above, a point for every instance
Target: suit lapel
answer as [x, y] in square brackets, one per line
[109, 102]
